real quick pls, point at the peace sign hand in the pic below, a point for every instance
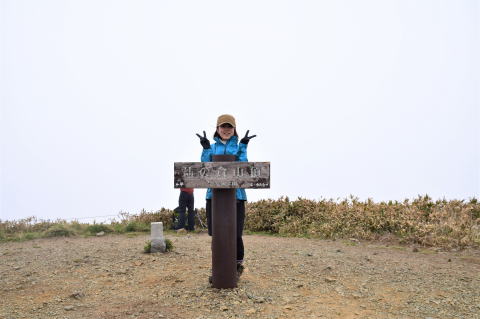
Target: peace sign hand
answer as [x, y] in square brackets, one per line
[204, 140]
[247, 138]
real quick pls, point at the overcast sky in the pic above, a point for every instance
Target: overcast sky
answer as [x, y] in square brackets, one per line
[378, 99]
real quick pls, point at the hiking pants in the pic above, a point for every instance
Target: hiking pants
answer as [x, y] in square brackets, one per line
[185, 201]
[240, 223]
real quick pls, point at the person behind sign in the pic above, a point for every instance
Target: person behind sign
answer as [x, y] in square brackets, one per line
[226, 142]
[186, 200]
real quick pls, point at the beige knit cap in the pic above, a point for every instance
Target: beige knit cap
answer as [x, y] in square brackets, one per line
[226, 118]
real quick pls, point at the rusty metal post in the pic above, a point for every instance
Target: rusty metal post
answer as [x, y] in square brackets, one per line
[224, 237]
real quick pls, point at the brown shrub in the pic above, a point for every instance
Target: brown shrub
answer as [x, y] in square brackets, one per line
[454, 223]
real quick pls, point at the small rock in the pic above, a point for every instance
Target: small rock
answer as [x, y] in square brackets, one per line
[102, 233]
[69, 308]
[77, 295]
[330, 280]
[251, 311]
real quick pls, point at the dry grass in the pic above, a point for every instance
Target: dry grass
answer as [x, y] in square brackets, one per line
[441, 223]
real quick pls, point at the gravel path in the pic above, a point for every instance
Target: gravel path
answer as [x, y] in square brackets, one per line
[111, 277]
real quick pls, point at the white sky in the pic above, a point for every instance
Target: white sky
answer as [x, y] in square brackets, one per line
[379, 99]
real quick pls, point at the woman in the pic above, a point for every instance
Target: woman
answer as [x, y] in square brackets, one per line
[226, 139]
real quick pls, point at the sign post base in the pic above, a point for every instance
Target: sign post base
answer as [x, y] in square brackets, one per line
[224, 234]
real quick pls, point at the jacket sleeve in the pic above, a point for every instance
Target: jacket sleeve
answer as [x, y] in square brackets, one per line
[207, 155]
[242, 153]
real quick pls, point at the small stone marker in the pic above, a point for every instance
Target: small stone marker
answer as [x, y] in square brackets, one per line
[158, 242]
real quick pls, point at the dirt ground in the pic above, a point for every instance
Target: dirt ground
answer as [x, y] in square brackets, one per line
[110, 277]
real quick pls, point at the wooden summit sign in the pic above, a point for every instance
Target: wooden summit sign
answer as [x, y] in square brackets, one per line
[222, 174]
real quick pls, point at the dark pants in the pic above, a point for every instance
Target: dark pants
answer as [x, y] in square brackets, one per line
[185, 201]
[240, 223]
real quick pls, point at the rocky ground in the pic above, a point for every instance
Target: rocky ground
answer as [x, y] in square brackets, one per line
[110, 277]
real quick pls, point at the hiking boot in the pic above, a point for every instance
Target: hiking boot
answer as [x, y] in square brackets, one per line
[240, 269]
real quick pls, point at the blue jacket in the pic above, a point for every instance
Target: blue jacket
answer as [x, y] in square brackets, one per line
[232, 148]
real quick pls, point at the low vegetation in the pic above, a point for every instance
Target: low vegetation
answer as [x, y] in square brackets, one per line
[421, 221]
[148, 246]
